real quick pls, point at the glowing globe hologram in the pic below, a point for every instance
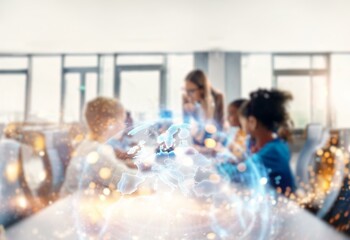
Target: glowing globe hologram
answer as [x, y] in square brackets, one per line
[177, 193]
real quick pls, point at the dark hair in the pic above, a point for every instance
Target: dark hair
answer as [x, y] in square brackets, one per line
[237, 103]
[268, 107]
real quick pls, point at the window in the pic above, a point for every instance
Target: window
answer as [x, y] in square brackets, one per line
[319, 62]
[13, 63]
[146, 77]
[306, 77]
[310, 104]
[141, 78]
[292, 62]
[12, 98]
[80, 61]
[81, 85]
[256, 72]
[319, 109]
[72, 98]
[300, 107]
[91, 86]
[340, 76]
[107, 76]
[140, 93]
[139, 59]
[77, 94]
[178, 67]
[46, 88]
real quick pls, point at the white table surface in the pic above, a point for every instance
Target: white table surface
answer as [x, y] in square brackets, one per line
[57, 222]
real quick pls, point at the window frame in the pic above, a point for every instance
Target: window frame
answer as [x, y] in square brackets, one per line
[307, 72]
[27, 72]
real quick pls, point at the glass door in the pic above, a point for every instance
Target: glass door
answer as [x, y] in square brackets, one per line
[79, 88]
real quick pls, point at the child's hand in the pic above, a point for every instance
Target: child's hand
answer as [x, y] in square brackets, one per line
[129, 163]
[189, 107]
[124, 155]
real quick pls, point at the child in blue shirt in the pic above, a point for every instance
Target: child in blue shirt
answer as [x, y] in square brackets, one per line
[263, 114]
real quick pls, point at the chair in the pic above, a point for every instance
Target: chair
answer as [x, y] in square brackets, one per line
[2, 128]
[58, 151]
[337, 199]
[15, 195]
[315, 137]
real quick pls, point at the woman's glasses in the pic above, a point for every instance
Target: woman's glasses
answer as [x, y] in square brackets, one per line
[191, 91]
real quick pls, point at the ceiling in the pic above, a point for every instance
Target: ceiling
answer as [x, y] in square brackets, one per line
[174, 26]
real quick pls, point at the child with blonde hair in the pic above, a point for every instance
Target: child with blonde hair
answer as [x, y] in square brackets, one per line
[94, 163]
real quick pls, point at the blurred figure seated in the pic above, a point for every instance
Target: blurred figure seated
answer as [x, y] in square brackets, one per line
[94, 162]
[266, 113]
[262, 116]
[77, 133]
[16, 199]
[237, 146]
[285, 131]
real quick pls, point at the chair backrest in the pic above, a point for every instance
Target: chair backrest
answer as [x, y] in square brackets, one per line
[337, 180]
[58, 152]
[9, 166]
[315, 135]
[317, 138]
[335, 189]
[2, 127]
[13, 183]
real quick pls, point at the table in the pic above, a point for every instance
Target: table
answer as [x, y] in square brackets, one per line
[57, 222]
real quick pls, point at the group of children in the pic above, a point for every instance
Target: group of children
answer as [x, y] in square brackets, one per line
[258, 120]
[262, 122]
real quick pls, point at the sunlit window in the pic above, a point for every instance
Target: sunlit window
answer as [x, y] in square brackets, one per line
[13, 63]
[300, 107]
[107, 76]
[12, 98]
[141, 85]
[72, 98]
[256, 72]
[81, 85]
[46, 88]
[139, 60]
[80, 61]
[140, 93]
[178, 67]
[340, 75]
[305, 76]
[77, 94]
[292, 62]
[13, 86]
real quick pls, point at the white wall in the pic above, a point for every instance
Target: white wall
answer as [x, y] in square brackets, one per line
[167, 25]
